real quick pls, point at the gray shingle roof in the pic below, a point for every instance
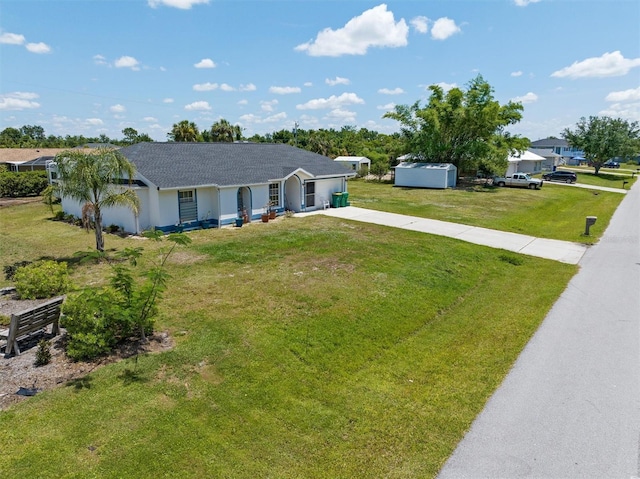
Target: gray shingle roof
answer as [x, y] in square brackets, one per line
[182, 165]
[550, 143]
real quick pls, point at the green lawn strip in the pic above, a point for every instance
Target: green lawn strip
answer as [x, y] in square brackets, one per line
[555, 212]
[305, 348]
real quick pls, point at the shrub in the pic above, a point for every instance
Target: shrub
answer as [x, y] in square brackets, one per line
[43, 279]
[10, 270]
[43, 353]
[59, 216]
[26, 183]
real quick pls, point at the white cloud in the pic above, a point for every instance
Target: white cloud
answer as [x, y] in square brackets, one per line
[308, 84]
[150, 119]
[524, 3]
[248, 87]
[250, 118]
[443, 28]
[445, 86]
[99, 60]
[117, 108]
[528, 98]
[205, 86]
[374, 28]
[198, 106]
[205, 63]
[625, 95]
[94, 121]
[275, 118]
[284, 90]
[516, 74]
[227, 87]
[388, 91]
[19, 101]
[12, 39]
[181, 4]
[127, 62]
[268, 105]
[629, 111]
[420, 24]
[38, 47]
[243, 102]
[608, 65]
[167, 100]
[337, 81]
[341, 116]
[332, 102]
[387, 107]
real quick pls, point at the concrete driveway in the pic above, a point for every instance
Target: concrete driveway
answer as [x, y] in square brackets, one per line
[563, 251]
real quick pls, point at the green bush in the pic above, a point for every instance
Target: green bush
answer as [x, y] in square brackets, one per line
[10, 270]
[43, 353]
[25, 183]
[43, 279]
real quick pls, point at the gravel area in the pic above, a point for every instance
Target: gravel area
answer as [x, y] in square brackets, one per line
[20, 378]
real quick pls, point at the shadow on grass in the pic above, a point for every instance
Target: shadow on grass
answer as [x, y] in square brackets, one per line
[132, 376]
[79, 384]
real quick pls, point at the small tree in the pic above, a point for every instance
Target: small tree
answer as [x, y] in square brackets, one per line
[95, 180]
[604, 138]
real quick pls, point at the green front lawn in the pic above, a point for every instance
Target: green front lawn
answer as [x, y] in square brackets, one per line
[556, 213]
[305, 347]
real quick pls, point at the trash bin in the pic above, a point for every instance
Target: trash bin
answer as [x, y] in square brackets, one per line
[344, 198]
[336, 200]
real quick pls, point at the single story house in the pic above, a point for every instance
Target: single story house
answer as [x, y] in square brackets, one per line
[355, 163]
[525, 162]
[426, 175]
[551, 160]
[181, 184]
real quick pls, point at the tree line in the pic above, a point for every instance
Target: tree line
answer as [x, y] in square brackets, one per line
[467, 127]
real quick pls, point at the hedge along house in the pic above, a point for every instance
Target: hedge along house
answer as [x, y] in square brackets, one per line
[184, 184]
[426, 175]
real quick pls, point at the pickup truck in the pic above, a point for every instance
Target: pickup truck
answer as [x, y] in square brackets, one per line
[522, 180]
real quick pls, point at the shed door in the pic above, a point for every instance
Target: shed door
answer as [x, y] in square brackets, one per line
[310, 193]
[188, 206]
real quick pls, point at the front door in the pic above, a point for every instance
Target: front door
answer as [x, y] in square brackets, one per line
[310, 194]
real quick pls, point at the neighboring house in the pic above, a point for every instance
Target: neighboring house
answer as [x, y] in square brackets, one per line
[559, 146]
[355, 163]
[525, 162]
[27, 159]
[426, 175]
[182, 183]
[551, 160]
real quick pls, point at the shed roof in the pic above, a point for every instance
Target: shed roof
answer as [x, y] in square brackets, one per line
[182, 165]
[360, 159]
[526, 156]
[429, 166]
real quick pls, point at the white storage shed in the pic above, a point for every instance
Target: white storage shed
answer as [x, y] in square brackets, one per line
[426, 175]
[354, 162]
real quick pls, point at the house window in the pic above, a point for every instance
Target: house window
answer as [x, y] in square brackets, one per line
[188, 207]
[274, 194]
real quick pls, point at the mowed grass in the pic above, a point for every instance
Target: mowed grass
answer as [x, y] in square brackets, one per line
[305, 347]
[554, 212]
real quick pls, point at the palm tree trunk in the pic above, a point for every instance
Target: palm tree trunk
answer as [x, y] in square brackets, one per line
[98, 225]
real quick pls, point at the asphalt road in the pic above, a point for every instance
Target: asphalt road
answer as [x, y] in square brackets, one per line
[570, 407]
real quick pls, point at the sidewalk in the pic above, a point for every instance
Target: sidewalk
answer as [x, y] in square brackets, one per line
[563, 251]
[570, 407]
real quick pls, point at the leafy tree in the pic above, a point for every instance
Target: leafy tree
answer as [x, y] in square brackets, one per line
[465, 128]
[130, 135]
[223, 131]
[184, 131]
[95, 180]
[10, 138]
[604, 138]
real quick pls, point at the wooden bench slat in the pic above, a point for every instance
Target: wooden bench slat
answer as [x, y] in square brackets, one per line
[34, 319]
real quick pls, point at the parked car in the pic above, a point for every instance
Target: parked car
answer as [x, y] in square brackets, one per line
[522, 180]
[561, 175]
[611, 164]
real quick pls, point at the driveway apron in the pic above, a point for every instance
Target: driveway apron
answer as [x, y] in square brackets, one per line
[570, 407]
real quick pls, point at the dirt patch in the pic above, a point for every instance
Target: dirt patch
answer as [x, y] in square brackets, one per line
[5, 201]
[20, 378]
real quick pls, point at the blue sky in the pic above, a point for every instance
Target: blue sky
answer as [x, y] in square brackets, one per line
[91, 67]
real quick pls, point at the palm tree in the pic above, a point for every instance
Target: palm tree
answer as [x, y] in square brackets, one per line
[184, 131]
[223, 131]
[96, 181]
